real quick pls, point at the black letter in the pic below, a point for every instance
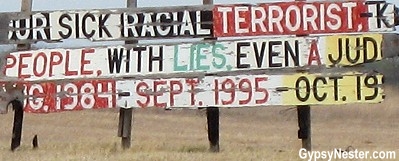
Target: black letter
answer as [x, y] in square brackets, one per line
[380, 15]
[158, 58]
[69, 28]
[297, 88]
[348, 51]
[365, 51]
[139, 50]
[77, 25]
[294, 55]
[373, 84]
[273, 54]
[127, 61]
[114, 59]
[241, 55]
[102, 27]
[316, 95]
[340, 53]
[84, 27]
[259, 56]
[336, 94]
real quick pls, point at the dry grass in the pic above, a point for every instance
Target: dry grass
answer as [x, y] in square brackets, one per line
[245, 134]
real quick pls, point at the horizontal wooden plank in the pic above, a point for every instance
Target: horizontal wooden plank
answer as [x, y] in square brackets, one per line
[303, 18]
[46, 97]
[252, 91]
[197, 59]
[205, 21]
[222, 91]
[107, 24]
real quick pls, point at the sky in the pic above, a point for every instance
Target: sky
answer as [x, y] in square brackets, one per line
[41, 5]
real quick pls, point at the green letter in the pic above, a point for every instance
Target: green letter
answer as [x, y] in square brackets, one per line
[218, 55]
[192, 53]
[176, 61]
[200, 57]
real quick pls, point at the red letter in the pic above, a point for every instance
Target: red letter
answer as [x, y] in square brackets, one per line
[52, 62]
[22, 65]
[216, 89]
[105, 97]
[35, 72]
[192, 83]
[10, 65]
[230, 90]
[314, 53]
[67, 71]
[140, 92]
[263, 90]
[244, 89]
[84, 61]
[158, 93]
[174, 92]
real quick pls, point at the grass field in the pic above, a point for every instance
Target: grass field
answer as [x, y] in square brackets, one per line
[245, 134]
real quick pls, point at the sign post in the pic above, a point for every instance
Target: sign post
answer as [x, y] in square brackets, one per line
[304, 123]
[17, 105]
[126, 114]
[212, 115]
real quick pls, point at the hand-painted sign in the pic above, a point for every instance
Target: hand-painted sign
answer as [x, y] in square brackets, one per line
[221, 91]
[252, 90]
[118, 24]
[302, 18]
[69, 96]
[220, 56]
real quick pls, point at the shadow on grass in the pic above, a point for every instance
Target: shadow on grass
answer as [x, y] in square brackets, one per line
[193, 149]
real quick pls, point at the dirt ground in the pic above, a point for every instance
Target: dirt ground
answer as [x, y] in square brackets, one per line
[268, 133]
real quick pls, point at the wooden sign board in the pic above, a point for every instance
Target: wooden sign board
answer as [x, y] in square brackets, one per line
[156, 61]
[283, 18]
[69, 96]
[257, 90]
[303, 18]
[111, 24]
[252, 91]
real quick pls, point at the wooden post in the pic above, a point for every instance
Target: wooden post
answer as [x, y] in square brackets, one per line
[125, 126]
[17, 125]
[304, 132]
[126, 114]
[212, 115]
[26, 7]
[207, 1]
[304, 124]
